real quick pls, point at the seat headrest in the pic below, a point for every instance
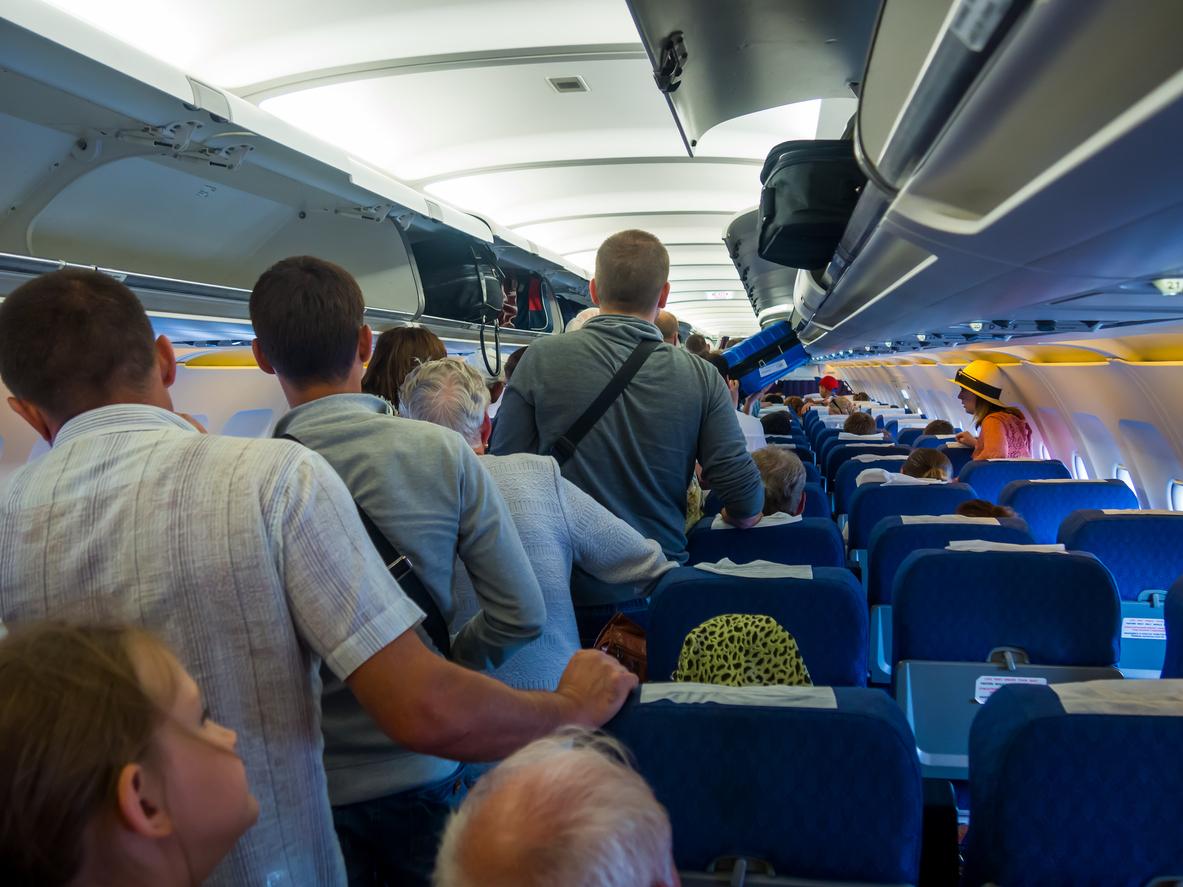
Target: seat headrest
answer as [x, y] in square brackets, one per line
[987, 545]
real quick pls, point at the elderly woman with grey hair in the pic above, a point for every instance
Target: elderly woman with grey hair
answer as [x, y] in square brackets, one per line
[567, 809]
[559, 524]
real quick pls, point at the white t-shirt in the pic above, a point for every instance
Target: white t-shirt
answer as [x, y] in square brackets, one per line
[753, 431]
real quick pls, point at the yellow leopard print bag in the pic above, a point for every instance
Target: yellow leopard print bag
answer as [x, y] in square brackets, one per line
[742, 650]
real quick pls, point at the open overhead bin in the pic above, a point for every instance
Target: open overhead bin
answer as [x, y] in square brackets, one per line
[1023, 165]
[718, 61]
[115, 160]
[769, 286]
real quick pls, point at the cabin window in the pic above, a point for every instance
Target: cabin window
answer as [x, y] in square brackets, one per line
[1123, 474]
[1177, 495]
[1043, 453]
[904, 394]
[1079, 469]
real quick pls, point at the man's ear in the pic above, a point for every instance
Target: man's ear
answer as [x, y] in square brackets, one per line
[140, 802]
[592, 289]
[32, 414]
[665, 294]
[365, 343]
[166, 361]
[261, 359]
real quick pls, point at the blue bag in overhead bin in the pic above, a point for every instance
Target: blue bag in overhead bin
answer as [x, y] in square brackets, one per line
[760, 360]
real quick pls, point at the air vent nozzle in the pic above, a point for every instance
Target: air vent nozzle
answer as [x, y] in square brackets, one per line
[567, 84]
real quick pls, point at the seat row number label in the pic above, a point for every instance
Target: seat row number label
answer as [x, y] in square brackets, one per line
[1143, 629]
[988, 684]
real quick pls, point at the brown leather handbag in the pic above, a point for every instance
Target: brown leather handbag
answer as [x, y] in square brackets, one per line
[624, 641]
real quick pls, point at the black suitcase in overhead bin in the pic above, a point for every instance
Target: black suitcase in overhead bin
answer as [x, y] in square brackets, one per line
[810, 189]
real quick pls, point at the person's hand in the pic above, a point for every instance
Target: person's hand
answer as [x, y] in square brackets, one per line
[964, 437]
[193, 422]
[596, 685]
[733, 390]
[742, 523]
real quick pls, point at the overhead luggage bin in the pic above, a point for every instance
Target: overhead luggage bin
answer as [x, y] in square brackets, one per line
[117, 161]
[761, 54]
[769, 286]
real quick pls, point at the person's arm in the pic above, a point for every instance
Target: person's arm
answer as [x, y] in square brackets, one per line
[727, 466]
[512, 611]
[348, 610]
[516, 429]
[604, 545]
[992, 441]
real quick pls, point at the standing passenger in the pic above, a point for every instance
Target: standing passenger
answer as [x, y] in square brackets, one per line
[668, 325]
[637, 458]
[1005, 433]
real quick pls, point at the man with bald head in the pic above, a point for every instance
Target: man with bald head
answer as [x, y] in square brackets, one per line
[566, 810]
[668, 324]
[638, 457]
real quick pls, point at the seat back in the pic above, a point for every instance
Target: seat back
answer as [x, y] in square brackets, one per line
[811, 540]
[845, 451]
[1142, 549]
[1172, 666]
[958, 606]
[817, 503]
[959, 455]
[894, 538]
[1044, 504]
[871, 503]
[896, 424]
[989, 476]
[933, 441]
[907, 437]
[1071, 784]
[779, 773]
[846, 478]
[825, 614]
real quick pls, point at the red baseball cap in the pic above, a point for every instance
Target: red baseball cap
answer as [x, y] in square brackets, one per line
[829, 382]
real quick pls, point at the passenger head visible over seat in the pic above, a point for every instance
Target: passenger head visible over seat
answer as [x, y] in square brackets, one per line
[449, 393]
[784, 480]
[928, 464]
[778, 423]
[859, 423]
[938, 426]
[796, 404]
[109, 764]
[568, 809]
[982, 508]
[75, 340]
[632, 274]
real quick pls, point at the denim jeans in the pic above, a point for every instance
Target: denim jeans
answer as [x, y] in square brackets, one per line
[392, 841]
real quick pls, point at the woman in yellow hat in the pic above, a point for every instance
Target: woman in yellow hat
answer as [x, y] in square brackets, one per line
[1003, 431]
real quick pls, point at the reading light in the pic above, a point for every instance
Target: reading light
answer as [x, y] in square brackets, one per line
[976, 326]
[920, 337]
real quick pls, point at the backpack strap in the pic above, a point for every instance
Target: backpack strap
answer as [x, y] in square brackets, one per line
[564, 448]
[401, 569]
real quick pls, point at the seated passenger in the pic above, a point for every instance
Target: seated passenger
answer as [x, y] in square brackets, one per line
[697, 345]
[560, 525]
[111, 769]
[772, 398]
[637, 459]
[1005, 433]
[983, 508]
[860, 423]
[796, 404]
[424, 491]
[753, 429]
[777, 424]
[784, 480]
[927, 464]
[841, 406]
[938, 427]
[668, 325]
[566, 810]
[248, 557]
[399, 351]
[862, 397]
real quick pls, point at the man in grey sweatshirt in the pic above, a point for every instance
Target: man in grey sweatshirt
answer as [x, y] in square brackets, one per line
[424, 488]
[638, 459]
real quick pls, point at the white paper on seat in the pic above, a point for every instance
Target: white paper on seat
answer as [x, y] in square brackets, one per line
[874, 457]
[848, 435]
[1019, 459]
[776, 696]
[948, 519]
[957, 446]
[906, 480]
[757, 569]
[773, 408]
[1147, 698]
[778, 519]
[908, 421]
[1155, 512]
[987, 545]
[1056, 480]
[945, 437]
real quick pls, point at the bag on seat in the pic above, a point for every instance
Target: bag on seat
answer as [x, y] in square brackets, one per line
[810, 189]
[742, 650]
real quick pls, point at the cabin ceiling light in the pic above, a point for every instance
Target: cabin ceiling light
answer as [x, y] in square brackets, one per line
[920, 337]
[1169, 286]
[724, 294]
[976, 326]
[564, 85]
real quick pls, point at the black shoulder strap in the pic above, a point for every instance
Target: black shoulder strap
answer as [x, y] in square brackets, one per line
[401, 569]
[564, 448]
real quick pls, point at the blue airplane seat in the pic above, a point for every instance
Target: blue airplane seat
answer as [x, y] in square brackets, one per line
[989, 476]
[845, 439]
[871, 503]
[817, 503]
[967, 622]
[1172, 666]
[845, 479]
[1044, 504]
[781, 774]
[810, 540]
[907, 437]
[812, 475]
[825, 614]
[847, 450]
[933, 441]
[959, 455]
[895, 425]
[1072, 784]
